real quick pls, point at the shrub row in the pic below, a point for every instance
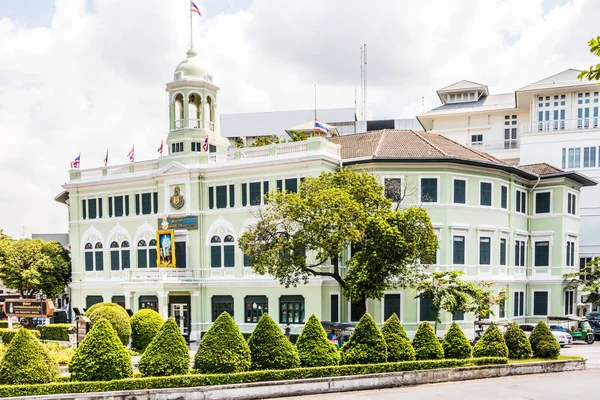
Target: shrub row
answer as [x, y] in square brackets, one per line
[8, 334]
[293, 338]
[235, 378]
[55, 331]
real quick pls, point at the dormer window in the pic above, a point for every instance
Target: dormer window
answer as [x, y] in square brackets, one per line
[462, 97]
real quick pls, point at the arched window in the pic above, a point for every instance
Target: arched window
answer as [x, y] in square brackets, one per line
[222, 252]
[146, 254]
[119, 256]
[195, 110]
[178, 111]
[94, 257]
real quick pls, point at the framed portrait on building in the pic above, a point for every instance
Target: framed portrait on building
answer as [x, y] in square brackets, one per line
[165, 248]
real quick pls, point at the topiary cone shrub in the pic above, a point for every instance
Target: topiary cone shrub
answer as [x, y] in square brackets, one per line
[455, 343]
[118, 318]
[517, 342]
[543, 342]
[101, 356]
[426, 344]
[145, 324]
[269, 348]
[223, 348]
[314, 349]
[366, 344]
[491, 344]
[398, 344]
[167, 354]
[27, 361]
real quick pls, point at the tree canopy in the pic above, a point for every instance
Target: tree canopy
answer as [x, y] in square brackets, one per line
[299, 235]
[587, 280]
[33, 265]
[592, 74]
[266, 140]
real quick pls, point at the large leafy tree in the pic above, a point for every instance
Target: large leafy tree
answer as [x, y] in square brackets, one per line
[587, 280]
[449, 292]
[299, 235]
[33, 265]
[592, 74]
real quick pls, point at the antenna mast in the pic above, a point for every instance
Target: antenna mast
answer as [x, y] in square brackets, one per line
[365, 84]
[362, 90]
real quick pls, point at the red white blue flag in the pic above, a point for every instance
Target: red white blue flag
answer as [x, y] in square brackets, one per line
[320, 127]
[76, 163]
[131, 155]
[106, 159]
[194, 8]
[160, 149]
[205, 145]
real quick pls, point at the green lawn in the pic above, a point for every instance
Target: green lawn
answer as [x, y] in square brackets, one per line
[530, 360]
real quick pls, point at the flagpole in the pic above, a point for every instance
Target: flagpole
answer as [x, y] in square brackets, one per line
[191, 29]
[315, 106]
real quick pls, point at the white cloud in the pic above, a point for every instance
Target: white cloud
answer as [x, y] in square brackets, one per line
[95, 78]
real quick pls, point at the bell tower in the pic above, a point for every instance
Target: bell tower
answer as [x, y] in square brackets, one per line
[193, 110]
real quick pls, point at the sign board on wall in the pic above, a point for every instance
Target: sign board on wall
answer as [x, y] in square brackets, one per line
[187, 222]
[28, 308]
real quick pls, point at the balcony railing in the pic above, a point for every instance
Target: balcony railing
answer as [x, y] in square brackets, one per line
[195, 124]
[487, 145]
[561, 125]
[178, 124]
[164, 274]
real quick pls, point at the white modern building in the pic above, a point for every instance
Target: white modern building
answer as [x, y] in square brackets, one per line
[553, 121]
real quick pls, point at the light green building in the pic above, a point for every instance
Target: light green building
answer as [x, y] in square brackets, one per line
[518, 226]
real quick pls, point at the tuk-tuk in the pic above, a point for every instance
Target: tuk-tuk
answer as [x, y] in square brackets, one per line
[338, 333]
[483, 324]
[578, 327]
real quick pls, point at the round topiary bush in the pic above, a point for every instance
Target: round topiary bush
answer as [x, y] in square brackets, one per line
[491, 344]
[426, 344]
[366, 344]
[269, 348]
[223, 348]
[96, 306]
[517, 342]
[543, 342]
[398, 344]
[167, 354]
[456, 344]
[314, 349]
[101, 356]
[27, 361]
[145, 324]
[118, 318]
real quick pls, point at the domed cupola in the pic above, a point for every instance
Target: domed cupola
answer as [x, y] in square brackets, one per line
[191, 68]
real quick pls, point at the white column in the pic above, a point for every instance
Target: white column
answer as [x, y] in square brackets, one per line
[129, 300]
[195, 311]
[163, 303]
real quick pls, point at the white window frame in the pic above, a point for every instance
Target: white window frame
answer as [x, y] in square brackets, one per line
[338, 305]
[572, 308]
[571, 239]
[262, 191]
[516, 306]
[437, 177]
[403, 186]
[572, 193]
[491, 195]
[464, 234]
[533, 291]
[520, 238]
[535, 238]
[517, 200]
[466, 190]
[419, 311]
[98, 208]
[507, 197]
[401, 305]
[535, 202]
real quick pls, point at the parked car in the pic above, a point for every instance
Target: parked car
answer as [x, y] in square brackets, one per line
[563, 338]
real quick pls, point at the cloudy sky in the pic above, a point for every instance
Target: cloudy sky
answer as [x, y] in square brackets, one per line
[81, 76]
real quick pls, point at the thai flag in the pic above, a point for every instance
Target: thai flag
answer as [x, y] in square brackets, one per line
[194, 8]
[205, 145]
[76, 163]
[106, 159]
[160, 149]
[320, 127]
[130, 155]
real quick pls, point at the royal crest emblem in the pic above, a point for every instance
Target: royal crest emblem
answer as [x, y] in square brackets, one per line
[177, 199]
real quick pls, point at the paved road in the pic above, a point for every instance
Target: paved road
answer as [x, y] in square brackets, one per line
[589, 352]
[556, 386]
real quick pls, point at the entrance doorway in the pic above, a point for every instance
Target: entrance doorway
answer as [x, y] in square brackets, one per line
[179, 309]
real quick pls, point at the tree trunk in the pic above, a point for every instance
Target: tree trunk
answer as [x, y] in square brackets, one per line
[361, 306]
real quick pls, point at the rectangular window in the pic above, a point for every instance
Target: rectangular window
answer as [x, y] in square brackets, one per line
[231, 196]
[502, 251]
[458, 316]
[458, 250]
[460, 191]
[110, 206]
[155, 202]
[426, 309]
[504, 197]
[118, 206]
[255, 193]
[540, 303]
[542, 203]
[229, 256]
[221, 304]
[211, 197]
[146, 203]
[334, 308]
[291, 309]
[92, 210]
[583, 262]
[247, 261]
[570, 261]
[265, 190]
[180, 255]
[89, 261]
[569, 301]
[244, 194]
[393, 189]
[215, 256]
[84, 209]
[221, 196]
[485, 194]
[571, 203]
[574, 157]
[521, 204]
[519, 253]
[114, 260]
[542, 254]
[484, 251]
[254, 307]
[519, 304]
[564, 158]
[142, 258]
[354, 314]
[589, 157]
[477, 139]
[291, 185]
[137, 204]
[391, 305]
[429, 188]
[279, 185]
[99, 258]
[502, 309]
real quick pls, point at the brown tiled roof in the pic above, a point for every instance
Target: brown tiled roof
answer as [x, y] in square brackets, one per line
[390, 143]
[541, 169]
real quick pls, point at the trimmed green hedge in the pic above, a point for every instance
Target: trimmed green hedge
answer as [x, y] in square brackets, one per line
[196, 380]
[55, 331]
[8, 334]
